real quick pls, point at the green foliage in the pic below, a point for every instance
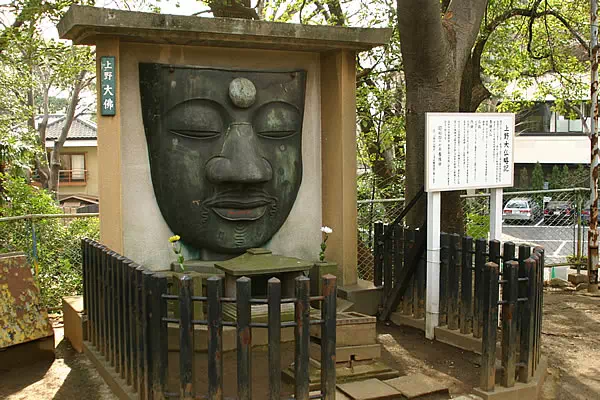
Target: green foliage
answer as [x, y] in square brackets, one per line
[523, 178]
[478, 225]
[580, 176]
[537, 177]
[58, 269]
[555, 178]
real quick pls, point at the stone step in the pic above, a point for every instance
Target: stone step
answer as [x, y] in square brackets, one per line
[343, 305]
[419, 386]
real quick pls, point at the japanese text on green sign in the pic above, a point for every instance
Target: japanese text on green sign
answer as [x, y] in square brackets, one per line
[108, 103]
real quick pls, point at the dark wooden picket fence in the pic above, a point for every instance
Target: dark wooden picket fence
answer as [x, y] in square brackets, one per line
[473, 276]
[126, 306]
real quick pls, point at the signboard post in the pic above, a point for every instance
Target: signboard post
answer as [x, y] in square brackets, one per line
[463, 151]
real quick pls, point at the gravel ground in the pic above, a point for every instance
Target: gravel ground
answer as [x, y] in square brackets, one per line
[570, 341]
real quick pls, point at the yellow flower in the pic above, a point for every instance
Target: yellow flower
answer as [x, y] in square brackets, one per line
[174, 239]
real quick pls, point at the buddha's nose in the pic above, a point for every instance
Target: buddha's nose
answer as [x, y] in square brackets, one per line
[240, 160]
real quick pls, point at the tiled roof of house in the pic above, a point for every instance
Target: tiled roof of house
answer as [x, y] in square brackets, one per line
[80, 129]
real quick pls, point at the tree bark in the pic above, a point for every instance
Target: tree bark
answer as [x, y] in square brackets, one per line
[58, 144]
[435, 52]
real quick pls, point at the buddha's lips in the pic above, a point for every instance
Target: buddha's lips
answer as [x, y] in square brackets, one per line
[248, 209]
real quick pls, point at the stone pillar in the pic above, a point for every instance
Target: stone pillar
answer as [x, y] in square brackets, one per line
[109, 156]
[338, 154]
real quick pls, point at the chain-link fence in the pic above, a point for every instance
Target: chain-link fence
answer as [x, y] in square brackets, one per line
[369, 212]
[52, 243]
[554, 219]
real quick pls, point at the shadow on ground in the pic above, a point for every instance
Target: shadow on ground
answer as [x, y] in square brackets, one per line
[71, 376]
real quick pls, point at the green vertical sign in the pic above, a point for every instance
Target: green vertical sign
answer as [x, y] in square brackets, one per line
[108, 88]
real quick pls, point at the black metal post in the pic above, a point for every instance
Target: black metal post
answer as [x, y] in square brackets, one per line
[466, 287]
[274, 298]
[387, 260]
[407, 298]
[244, 338]
[479, 291]
[444, 256]
[328, 337]
[527, 317]
[215, 339]
[147, 294]
[509, 321]
[453, 278]
[302, 336]
[160, 337]
[490, 328]
[378, 254]
[186, 339]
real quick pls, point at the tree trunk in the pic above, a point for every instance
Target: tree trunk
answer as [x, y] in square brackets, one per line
[434, 52]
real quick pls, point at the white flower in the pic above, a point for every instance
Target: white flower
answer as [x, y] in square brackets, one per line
[326, 229]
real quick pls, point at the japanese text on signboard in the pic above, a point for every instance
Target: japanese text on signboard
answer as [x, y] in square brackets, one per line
[469, 150]
[108, 86]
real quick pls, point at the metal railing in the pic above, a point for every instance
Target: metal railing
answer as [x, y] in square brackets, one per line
[555, 219]
[68, 176]
[52, 245]
[127, 309]
[471, 275]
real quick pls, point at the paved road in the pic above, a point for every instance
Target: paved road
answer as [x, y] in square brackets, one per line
[558, 240]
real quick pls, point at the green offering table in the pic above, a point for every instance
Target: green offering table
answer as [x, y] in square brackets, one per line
[260, 265]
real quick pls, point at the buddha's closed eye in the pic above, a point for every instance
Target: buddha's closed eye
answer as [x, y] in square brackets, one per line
[276, 120]
[196, 119]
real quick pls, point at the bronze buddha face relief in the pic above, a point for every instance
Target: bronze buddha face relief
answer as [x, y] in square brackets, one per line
[225, 149]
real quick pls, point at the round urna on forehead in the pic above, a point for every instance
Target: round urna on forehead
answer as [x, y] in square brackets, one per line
[242, 92]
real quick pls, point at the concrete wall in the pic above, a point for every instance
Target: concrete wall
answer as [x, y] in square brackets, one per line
[145, 233]
[552, 149]
[89, 187]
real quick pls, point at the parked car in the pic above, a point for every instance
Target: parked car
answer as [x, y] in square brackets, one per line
[559, 213]
[521, 209]
[585, 213]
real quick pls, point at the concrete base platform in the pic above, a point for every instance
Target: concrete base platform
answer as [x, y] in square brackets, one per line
[113, 380]
[365, 296]
[402, 319]
[521, 391]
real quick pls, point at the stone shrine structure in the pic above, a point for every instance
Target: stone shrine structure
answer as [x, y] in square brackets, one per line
[183, 86]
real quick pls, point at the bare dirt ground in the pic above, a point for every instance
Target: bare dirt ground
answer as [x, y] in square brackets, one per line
[570, 341]
[70, 377]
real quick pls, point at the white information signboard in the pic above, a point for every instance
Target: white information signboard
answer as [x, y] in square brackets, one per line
[463, 151]
[468, 151]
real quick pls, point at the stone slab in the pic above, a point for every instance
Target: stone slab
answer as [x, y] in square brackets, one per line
[577, 279]
[359, 370]
[347, 353]
[365, 296]
[84, 25]
[370, 389]
[521, 391]
[416, 385]
[72, 307]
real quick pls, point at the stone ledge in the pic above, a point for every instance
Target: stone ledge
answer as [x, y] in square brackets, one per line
[85, 25]
[117, 385]
[521, 391]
